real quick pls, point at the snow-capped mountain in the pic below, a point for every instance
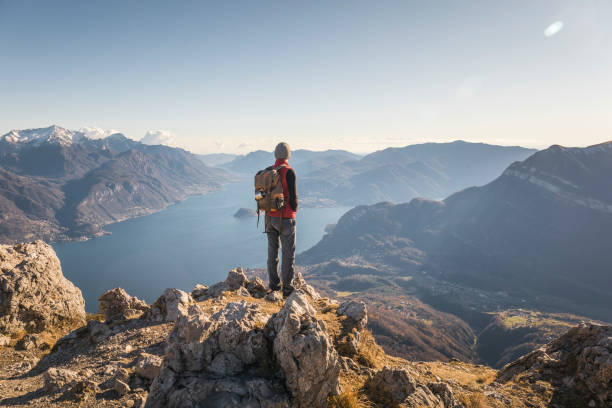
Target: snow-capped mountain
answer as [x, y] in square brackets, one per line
[58, 184]
[52, 134]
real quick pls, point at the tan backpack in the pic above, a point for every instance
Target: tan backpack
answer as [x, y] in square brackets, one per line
[269, 192]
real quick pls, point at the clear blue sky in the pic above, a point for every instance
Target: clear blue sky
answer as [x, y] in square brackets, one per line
[234, 76]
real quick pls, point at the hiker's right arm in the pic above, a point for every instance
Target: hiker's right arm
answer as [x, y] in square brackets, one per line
[292, 187]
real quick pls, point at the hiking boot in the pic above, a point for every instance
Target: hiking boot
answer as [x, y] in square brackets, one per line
[274, 288]
[286, 294]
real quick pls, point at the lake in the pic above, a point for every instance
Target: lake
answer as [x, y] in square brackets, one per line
[196, 241]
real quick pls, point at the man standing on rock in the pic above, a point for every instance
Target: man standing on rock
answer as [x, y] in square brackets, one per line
[283, 235]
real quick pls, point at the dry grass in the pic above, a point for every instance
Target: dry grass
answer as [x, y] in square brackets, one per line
[486, 378]
[344, 293]
[370, 353]
[468, 375]
[344, 400]
[474, 400]
[266, 307]
[95, 316]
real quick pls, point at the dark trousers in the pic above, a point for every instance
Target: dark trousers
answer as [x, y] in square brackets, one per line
[286, 239]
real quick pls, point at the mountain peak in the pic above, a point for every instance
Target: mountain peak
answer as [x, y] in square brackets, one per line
[58, 135]
[37, 136]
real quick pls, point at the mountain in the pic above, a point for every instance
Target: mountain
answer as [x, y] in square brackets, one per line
[303, 161]
[60, 184]
[539, 230]
[233, 344]
[432, 170]
[217, 159]
[518, 259]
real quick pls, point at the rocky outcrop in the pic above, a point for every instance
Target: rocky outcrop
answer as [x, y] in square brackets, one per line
[221, 360]
[148, 366]
[117, 303]
[241, 356]
[300, 284]
[35, 297]
[397, 387]
[355, 311]
[579, 364]
[171, 305]
[304, 352]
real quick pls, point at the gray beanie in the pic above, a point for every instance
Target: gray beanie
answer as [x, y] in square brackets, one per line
[282, 151]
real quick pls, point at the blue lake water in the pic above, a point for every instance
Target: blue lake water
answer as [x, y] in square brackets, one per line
[196, 241]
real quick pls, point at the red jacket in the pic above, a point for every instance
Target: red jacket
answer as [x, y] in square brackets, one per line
[289, 191]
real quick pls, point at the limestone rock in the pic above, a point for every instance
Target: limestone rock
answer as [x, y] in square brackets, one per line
[83, 389]
[300, 284]
[242, 291]
[304, 352]
[348, 344]
[35, 296]
[212, 361]
[356, 311]
[171, 305]
[274, 296]
[148, 365]
[117, 303]
[397, 387]
[4, 341]
[256, 288]
[199, 291]
[122, 374]
[57, 379]
[121, 387]
[580, 362]
[236, 279]
[97, 331]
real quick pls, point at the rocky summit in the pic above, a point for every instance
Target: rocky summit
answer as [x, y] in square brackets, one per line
[236, 345]
[36, 301]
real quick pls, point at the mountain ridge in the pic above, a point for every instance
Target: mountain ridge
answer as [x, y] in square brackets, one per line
[474, 222]
[83, 183]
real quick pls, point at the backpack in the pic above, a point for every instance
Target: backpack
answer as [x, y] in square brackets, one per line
[269, 192]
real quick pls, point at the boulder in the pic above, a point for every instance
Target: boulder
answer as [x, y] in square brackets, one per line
[236, 279]
[199, 291]
[58, 379]
[82, 390]
[257, 288]
[148, 365]
[274, 296]
[397, 387]
[121, 387]
[171, 305]
[579, 363]
[35, 297]
[222, 360]
[356, 311]
[117, 303]
[304, 352]
[300, 284]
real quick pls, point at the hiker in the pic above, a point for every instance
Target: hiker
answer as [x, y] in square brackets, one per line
[281, 225]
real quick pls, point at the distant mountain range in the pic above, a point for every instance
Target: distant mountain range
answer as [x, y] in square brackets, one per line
[303, 161]
[431, 170]
[59, 184]
[542, 231]
[338, 177]
[217, 159]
